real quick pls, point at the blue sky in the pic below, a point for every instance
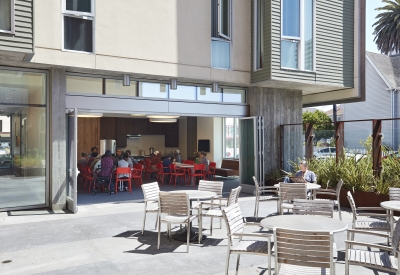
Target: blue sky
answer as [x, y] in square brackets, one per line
[371, 13]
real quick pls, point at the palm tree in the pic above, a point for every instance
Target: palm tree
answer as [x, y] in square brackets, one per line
[387, 28]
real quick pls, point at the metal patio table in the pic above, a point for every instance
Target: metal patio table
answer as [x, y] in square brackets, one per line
[304, 223]
[391, 206]
[193, 195]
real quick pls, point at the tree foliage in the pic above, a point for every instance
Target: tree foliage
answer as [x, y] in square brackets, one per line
[387, 27]
[320, 130]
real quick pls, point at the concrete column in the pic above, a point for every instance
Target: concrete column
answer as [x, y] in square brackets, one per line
[278, 106]
[58, 150]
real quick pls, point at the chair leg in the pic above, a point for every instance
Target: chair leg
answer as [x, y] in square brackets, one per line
[340, 212]
[188, 236]
[258, 206]
[346, 266]
[144, 218]
[227, 260]
[237, 264]
[159, 228]
[156, 220]
[200, 228]
[255, 207]
[211, 226]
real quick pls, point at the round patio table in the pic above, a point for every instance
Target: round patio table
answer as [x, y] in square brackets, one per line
[310, 186]
[187, 166]
[304, 223]
[193, 195]
[391, 206]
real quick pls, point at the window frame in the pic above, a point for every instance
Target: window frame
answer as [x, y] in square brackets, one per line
[256, 22]
[300, 40]
[12, 31]
[81, 15]
[235, 125]
[229, 35]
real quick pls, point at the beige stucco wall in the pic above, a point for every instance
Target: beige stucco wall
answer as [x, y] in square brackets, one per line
[153, 37]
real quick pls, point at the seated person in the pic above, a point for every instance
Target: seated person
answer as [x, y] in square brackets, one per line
[306, 174]
[96, 164]
[156, 158]
[131, 160]
[106, 167]
[93, 150]
[83, 161]
[166, 163]
[92, 158]
[118, 156]
[204, 160]
[124, 163]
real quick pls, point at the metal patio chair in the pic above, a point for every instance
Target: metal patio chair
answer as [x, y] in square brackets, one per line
[150, 193]
[235, 224]
[334, 193]
[264, 193]
[313, 207]
[288, 192]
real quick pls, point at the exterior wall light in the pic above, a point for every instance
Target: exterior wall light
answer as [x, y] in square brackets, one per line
[173, 85]
[126, 81]
[214, 87]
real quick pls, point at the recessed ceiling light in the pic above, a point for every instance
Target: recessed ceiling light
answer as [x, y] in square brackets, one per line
[137, 115]
[90, 115]
[163, 120]
[156, 116]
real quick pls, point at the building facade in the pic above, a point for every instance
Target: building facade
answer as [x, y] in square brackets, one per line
[195, 59]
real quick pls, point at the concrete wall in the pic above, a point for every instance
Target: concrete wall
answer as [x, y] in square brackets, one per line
[156, 37]
[278, 106]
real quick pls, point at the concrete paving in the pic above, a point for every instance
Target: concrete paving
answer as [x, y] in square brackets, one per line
[105, 238]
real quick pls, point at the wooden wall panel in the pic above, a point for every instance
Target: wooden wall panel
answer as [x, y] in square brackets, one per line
[88, 134]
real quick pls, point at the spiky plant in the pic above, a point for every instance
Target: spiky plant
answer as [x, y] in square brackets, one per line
[387, 27]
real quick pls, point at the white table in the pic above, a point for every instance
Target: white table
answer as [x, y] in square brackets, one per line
[187, 166]
[310, 186]
[193, 195]
[391, 206]
[304, 223]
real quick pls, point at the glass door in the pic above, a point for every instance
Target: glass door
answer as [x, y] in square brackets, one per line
[251, 151]
[72, 172]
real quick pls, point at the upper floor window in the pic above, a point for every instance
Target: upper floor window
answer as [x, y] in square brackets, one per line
[259, 33]
[297, 32]
[221, 33]
[7, 16]
[78, 25]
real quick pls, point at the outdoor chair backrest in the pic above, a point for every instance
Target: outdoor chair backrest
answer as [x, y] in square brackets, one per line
[212, 164]
[234, 195]
[291, 191]
[303, 248]
[123, 170]
[233, 219]
[174, 203]
[151, 191]
[138, 166]
[313, 207]
[394, 194]
[199, 167]
[352, 205]
[257, 186]
[212, 186]
[339, 188]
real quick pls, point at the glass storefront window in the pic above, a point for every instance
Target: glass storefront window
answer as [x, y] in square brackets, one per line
[115, 87]
[234, 95]
[231, 134]
[84, 85]
[23, 139]
[183, 92]
[153, 90]
[205, 94]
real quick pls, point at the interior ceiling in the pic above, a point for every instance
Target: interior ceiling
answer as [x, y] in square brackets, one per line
[134, 117]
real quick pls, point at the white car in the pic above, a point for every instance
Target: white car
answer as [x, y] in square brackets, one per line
[326, 152]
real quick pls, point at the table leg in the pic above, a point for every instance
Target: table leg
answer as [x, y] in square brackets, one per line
[391, 222]
[314, 193]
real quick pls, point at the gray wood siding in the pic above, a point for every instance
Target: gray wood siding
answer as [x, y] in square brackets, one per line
[377, 105]
[264, 73]
[335, 42]
[22, 40]
[278, 106]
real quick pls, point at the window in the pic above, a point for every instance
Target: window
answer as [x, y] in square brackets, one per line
[153, 90]
[183, 92]
[297, 30]
[84, 85]
[259, 33]
[231, 137]
[221, 32]
[234, 95]
[115, 87]
[7, 16]
[206, 94]
[78, 25]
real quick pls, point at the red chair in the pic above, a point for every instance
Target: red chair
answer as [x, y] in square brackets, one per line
[160, 173]
[148, 170]
[121, 171]
[88, 178]
[211, 170]
[176, 172]
[137, 174]
[198, 172]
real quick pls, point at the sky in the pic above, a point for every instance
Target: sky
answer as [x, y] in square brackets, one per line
[370, 45]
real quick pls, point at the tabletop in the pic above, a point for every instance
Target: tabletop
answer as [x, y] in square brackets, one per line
[196, 194]
[184, 165]
[304, 223]
[391, 205]
[310, 186]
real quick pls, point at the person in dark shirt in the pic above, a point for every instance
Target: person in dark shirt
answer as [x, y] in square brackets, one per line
[92, 158]
[166, 163]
